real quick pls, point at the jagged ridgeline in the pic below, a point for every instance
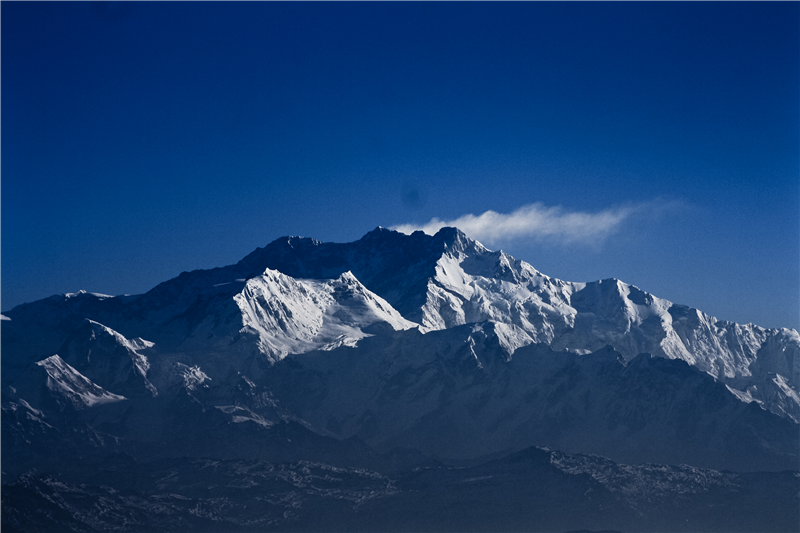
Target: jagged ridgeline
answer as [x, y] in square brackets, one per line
[399, 382]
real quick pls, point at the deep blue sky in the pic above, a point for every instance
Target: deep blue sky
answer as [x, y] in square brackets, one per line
[140, 140]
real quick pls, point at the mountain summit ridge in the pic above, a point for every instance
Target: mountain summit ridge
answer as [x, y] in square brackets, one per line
[441, 281]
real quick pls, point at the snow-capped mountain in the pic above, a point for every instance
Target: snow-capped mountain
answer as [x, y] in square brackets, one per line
[296, 316]
[447, 280]
[472, 284]
[299, 294]
[453, 393]
[385, 351]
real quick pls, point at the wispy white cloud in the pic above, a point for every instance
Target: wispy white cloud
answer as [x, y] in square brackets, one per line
[537, 221]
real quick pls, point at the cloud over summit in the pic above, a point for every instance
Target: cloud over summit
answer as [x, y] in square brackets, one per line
[534, 221]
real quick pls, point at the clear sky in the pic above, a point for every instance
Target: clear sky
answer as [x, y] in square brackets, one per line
[653, 142]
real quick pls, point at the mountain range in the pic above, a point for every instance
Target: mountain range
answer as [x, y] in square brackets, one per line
[404, 378]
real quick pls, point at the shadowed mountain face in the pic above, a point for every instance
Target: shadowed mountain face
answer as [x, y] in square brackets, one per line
[454, 394]
[419, 357]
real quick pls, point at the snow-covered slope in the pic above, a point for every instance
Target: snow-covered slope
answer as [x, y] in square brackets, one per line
[66, 383]
[472, 284]
[296, 316]
[109, 359]
[454, 393]
[274, 315]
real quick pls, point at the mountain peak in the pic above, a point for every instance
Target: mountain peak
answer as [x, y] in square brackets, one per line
[450, 233]
[456, 241]
[449, 236]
